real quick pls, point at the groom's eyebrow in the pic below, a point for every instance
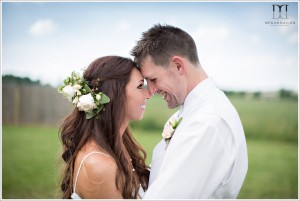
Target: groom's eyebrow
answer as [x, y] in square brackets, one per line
[148, 77]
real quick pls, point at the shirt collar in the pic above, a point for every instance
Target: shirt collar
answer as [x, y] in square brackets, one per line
[197, 95]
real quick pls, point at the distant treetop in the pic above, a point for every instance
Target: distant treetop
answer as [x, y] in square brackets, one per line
[19, 80]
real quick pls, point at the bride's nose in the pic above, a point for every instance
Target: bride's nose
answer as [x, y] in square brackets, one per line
[147, 94]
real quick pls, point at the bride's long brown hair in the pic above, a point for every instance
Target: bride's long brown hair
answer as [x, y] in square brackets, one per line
[114, 74]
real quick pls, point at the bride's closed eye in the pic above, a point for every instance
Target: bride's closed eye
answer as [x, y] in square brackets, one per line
[141, 86]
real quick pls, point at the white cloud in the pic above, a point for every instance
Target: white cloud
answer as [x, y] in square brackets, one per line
[293, 38]
[283, 30]
[211, 34]
[42, 27]
[255, 39]
[123, 26]
[255, 72]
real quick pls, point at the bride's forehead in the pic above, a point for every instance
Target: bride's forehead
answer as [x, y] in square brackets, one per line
[136, 75]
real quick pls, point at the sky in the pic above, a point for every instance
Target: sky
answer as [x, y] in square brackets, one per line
[238, 46]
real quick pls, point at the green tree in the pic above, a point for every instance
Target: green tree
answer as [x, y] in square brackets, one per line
[19, 80]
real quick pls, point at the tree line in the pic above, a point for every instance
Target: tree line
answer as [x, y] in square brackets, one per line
[19, 80]
[280, 94]
[275, 95]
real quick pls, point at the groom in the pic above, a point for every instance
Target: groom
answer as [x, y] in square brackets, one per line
[206, 155]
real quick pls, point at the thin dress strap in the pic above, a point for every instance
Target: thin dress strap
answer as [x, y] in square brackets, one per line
[81, 165]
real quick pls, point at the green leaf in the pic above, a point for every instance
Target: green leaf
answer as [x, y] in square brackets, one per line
[104, 99]
[60, 88]
[86, 87]
[99, 108]
[66, 81]
[167, 143]
[177, 122]
[89, 115]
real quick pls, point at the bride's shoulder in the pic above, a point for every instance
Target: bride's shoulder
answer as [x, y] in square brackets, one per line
[97, 179]
[100, 166]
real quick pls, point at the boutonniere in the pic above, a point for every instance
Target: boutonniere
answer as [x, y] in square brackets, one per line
[169, 129]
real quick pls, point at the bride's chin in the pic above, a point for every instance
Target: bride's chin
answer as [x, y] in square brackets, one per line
[137, 118]
[141, 116]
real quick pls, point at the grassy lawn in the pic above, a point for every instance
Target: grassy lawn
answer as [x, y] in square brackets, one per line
[30, 154]
[271, 120]
[272, 171]
[30, 164]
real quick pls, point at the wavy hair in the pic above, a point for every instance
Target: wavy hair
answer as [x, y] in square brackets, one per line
[114, 74]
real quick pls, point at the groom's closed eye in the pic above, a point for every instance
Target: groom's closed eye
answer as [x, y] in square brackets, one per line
[152, 80]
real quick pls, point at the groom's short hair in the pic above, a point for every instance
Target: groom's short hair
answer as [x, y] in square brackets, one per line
[163, 41]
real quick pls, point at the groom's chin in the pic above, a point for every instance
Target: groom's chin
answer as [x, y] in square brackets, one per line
[172, 105]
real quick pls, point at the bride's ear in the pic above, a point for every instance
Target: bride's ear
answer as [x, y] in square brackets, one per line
[179, 63]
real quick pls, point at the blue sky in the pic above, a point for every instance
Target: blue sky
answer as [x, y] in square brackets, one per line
[48, 40]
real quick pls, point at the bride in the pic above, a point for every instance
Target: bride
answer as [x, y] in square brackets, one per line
[102, 158]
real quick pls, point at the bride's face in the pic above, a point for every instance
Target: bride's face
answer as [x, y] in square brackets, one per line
[136, 96]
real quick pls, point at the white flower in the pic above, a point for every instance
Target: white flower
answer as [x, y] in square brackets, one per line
[86, 103]
[98, 97]
[68, 92]
[168, 131]
[75, 101]
[77, 91]
[173, 122]
[77, 87]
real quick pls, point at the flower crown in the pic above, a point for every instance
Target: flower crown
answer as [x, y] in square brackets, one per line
[77, 91]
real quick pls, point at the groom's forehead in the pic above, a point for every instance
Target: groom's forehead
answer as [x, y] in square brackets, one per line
[148, 68]
[148, 72]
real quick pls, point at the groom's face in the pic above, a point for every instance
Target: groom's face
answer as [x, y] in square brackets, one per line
[162, 80]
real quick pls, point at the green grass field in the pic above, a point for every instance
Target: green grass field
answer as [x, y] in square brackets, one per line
[30, 154]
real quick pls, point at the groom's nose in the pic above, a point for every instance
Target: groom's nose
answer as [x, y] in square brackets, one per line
[152, 88]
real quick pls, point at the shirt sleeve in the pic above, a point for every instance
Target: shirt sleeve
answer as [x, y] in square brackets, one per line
[198, 159]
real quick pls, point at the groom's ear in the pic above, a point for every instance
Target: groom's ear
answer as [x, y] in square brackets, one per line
[179, 63]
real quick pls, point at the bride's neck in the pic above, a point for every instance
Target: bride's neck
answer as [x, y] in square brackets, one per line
[123, 127]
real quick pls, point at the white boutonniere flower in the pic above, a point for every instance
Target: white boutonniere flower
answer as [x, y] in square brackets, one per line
[169, 129]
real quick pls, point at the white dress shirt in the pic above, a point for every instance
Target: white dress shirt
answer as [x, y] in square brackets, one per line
[207, 155]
